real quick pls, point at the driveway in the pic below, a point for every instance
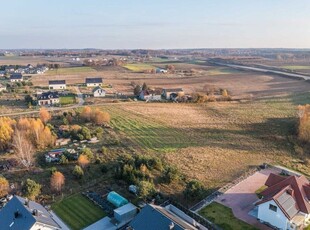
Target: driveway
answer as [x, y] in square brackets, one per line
[241, 198]
[80, 95]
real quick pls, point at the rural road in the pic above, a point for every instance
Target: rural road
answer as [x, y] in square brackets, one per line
[264, 70]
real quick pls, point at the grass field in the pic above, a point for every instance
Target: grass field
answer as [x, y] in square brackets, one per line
[138, 67]
[67, 100]
[68, 71]
[295, 67]
[223, 217]
[77, 211]
[215, 142]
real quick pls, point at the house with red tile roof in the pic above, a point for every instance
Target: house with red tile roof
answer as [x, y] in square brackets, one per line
[285, 203]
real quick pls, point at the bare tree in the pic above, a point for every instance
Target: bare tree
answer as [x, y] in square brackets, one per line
[23, 149]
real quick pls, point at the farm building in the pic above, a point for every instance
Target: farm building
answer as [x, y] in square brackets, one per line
[99, 92]
[48, 98]
[285, 202]
[168, 217]
[20, 213]
[171, 94]
[57, 84]
[16, 77]
[93, 82]
[2, 87]
[150, 95]
[116, 199]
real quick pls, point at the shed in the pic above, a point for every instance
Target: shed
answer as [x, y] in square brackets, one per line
[116, 199]
[125, 213]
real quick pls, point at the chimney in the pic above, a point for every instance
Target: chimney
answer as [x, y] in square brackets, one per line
[290, 191]
[27, 202]
[17, 214]
[35, 212]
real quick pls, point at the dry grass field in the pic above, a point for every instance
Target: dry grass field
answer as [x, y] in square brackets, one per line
[215, 142]
[238, 83]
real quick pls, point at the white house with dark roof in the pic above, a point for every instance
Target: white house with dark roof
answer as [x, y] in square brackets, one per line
[23, 214]
[48, 98]
[57, 84]
[99, 92]
[16, 77]
[93, 82]
[285, 203]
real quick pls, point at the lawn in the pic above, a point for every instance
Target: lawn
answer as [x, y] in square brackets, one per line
[224, 217]
[139, 67]
[78, 212]
[68, 71]
[67, 100]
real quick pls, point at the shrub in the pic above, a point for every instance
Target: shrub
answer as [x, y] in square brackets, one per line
[31, 189]
[78, 172]
[88, 152]
[52, 170]
[170, 174]
[146, 189]
[194, 190]
[63, 159]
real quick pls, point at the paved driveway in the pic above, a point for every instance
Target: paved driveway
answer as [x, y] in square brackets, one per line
[241, 197]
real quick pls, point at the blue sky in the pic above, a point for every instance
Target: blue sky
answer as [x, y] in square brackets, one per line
[154, 24]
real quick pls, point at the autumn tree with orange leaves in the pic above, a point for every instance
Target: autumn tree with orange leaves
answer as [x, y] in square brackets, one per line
[45, 116]
[83, 160]
[4, 186]
[6, 132]
[57, 181]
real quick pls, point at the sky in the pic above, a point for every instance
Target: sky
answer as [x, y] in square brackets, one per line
[154, 24]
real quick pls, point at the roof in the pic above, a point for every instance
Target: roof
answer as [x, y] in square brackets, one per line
[57, 82]
[18, 215]
[16, 76]
[160, 218]
[94, 80]
[174, 90]
[125, 209]
[116, 199]
[97, 88]
[48, 95]
[291, 194]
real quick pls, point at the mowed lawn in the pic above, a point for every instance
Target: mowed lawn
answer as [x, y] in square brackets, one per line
[78, 212]
[72, 70]
[223, 217]
[67, 100]
[138, 67]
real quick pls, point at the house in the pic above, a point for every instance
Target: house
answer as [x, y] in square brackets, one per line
[20, 213]
[16, 77]
[153, 217]
[99, 92]
[48, 98]
[92, 82]
[170, 94]
[150, 95]
[57, 84]
[2, 87]
[286, 202]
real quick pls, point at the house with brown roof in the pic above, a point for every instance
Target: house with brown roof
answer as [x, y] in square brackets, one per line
[151, 95]
[285, 203]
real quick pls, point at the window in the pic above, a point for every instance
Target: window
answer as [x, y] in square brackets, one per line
[273, 207]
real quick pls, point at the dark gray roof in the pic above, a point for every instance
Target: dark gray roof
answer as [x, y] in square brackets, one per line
[159, 218]
[288, 203]
[174, 90]
[57, 82]
[96, 88]
[16, 215]
[48, 95]
[16, 76]
[94, 80]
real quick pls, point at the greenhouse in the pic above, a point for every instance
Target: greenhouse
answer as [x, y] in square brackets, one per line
[116, 199]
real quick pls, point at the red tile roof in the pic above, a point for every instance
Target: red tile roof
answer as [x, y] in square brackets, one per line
[296, 187]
